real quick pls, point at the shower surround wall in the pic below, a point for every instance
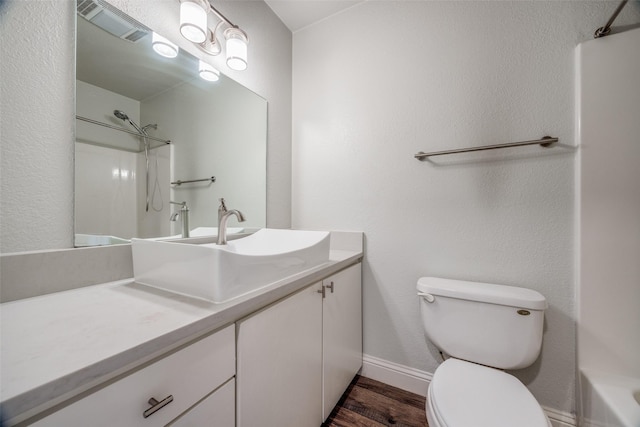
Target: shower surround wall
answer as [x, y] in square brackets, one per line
[383, 80]
[608, 93]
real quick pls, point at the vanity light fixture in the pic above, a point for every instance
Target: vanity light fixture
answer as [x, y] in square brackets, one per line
[163, 47]
[207, 72]
[236, 40]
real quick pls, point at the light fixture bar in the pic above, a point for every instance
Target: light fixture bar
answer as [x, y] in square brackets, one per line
[220, 15]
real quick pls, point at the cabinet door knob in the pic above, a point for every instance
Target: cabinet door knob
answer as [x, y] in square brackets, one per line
[155, 405]
[330, 287]
[322, 291]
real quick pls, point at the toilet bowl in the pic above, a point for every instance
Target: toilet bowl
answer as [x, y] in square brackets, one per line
[484, 328]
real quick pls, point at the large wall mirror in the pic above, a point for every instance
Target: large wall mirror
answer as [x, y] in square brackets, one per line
[146, 122]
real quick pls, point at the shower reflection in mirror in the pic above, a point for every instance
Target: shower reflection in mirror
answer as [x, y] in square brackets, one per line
[149, 199]
[119, 175]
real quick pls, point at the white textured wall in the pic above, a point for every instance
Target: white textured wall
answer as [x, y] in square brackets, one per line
[384, 80]
[609, 320]
[37, 109]
[36, 124]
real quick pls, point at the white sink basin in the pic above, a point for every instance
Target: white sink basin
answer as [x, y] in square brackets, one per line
[220, 273]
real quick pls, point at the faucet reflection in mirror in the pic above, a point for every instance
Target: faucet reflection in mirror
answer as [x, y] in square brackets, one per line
[183, 213]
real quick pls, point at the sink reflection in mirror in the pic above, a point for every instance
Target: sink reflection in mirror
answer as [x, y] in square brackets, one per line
[83, 240]
[219, 273]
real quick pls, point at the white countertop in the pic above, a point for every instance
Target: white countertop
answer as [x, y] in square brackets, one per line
[56, 346]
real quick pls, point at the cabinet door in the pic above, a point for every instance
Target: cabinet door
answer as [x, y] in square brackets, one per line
[217, 410]
[341, 334]
[280, 363]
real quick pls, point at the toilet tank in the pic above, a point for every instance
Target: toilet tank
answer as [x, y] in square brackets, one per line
[494, 325]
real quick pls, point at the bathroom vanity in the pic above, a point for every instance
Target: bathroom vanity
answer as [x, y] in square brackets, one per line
[123, 353]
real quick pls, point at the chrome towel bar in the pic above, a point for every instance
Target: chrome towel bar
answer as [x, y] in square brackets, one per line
[178, 182]
[546, 141]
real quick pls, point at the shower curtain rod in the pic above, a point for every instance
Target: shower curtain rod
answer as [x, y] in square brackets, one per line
[604, 31]
[95, 122]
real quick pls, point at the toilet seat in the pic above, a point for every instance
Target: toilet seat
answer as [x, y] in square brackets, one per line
[463, 394]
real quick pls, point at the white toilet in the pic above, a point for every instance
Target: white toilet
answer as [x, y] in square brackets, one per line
[484, 328]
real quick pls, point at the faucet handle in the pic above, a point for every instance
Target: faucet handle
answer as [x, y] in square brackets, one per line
[222, 207]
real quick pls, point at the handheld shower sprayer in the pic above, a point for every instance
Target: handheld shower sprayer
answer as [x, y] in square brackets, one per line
[123, 116]
[143, 133]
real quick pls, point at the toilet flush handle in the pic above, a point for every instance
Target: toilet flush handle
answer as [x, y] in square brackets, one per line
[428, 297]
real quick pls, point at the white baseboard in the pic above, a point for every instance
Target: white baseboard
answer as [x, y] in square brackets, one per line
[417, 381]
[400, 376]
[560, 418]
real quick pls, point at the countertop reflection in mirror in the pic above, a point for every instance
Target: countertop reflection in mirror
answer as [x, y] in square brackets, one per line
[123, 179]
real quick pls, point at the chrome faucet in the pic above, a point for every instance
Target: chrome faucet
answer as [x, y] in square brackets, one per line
[183, 213]
[223, 217]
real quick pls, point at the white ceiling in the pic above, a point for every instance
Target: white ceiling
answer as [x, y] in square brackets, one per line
[297, 14]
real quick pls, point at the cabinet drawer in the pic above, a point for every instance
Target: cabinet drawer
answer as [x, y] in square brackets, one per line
[187, 375]
[217, 410]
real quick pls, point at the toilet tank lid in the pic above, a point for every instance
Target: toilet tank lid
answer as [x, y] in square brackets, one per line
[483, 292]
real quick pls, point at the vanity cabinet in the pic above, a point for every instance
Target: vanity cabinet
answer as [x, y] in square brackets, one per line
[297, 356]
[198, 378]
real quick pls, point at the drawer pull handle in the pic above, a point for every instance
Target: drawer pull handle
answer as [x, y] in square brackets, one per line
[157, 405]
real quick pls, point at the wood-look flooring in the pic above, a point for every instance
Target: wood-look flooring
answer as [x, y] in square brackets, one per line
[369, 403]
